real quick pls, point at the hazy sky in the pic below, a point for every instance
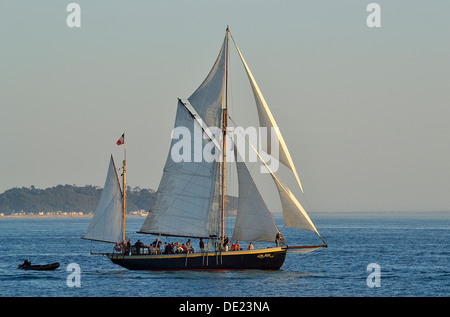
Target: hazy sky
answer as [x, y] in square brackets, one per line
[364, 111]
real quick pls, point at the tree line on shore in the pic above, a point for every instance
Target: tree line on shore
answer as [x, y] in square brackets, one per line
[67, 198]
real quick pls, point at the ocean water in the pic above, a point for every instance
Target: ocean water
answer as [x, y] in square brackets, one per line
[411, 252]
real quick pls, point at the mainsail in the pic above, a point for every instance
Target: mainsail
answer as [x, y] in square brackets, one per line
[106, 225]
[207, 99]
[188, 193]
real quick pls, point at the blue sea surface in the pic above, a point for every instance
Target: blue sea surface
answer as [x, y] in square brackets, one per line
[412, 254]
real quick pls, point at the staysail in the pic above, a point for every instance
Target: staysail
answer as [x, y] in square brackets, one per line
[188, 193]
[106, 225]
[254, 222]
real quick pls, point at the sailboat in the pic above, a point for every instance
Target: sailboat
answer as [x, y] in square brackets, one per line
[191, 199]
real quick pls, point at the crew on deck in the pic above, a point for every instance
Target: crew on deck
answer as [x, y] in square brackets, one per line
[157, 247]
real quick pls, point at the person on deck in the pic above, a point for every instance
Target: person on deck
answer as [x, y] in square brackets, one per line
[179, 248]
[188, 246]
[279, 239]
[167, 248]
[156, 244]
[128, 247]
[138, 245]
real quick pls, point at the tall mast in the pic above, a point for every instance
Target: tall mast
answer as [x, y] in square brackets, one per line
[224, 131]
[124, 191]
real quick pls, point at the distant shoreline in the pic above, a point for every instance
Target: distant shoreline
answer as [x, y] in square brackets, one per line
[316, 214]
[57, 216]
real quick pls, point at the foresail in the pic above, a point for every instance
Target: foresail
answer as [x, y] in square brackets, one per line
[106, 225]
[254, 222]
[266, 119]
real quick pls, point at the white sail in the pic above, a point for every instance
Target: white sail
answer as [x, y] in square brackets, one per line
[188, 192]
[266, 119]
[254, 222]
[106, 225]
[294, 214]
[207, 99]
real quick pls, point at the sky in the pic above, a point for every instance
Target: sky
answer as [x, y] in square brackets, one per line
[364, 111]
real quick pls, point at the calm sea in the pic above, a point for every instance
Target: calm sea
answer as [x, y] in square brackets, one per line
[411, 253]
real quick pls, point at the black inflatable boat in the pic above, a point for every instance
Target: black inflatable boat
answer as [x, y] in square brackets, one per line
[46, 267]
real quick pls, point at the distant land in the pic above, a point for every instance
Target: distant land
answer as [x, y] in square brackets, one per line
[66, 199]
[72, 200]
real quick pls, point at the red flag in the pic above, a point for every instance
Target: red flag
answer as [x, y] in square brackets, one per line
[121, 140]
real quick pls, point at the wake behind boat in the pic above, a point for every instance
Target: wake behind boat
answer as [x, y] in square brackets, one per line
[190, 201]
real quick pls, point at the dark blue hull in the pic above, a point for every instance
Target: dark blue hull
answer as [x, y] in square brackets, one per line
[261, 259]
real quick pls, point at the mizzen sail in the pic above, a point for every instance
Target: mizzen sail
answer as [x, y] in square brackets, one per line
[106, 225]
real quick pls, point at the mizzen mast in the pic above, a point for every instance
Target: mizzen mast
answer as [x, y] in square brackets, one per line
[124, 188]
